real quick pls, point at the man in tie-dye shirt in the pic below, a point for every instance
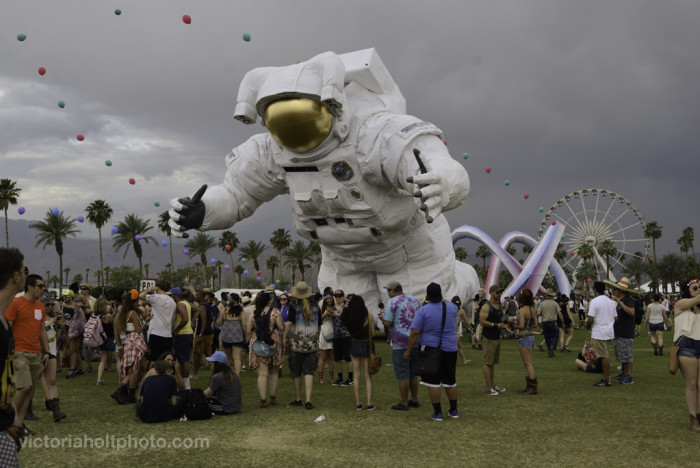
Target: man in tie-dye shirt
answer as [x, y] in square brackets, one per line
[398, 316]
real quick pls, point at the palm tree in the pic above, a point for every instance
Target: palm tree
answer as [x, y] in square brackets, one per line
[607, 249]
[67, 272]
[125, 237]
[218, 266]
[146, 267]
[54, 280]
[483, 253]
[106, 276]
[238, 270]
[199, 245]
[315, 249]
[98, 213]
[671, 267]
[253, 250]
[271, 264]
[280, 241]
[652, 231]
[296, 256]
[559, 254]
[689, 234]
[165, 227]
[8, 196]
[87, 275]
[460, 253]
[52, 230]
[231, 239]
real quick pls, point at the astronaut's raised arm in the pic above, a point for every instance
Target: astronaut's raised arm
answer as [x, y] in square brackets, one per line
[251, 179]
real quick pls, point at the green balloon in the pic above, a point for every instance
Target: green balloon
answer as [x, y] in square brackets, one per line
[108, 163]
[465, 155]
[117, 12]
[507, 182]
[246, 37]
[21, 37]
[61, 104]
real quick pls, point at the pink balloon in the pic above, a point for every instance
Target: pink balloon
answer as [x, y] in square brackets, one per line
[80, 138]
[186, 19]
[488, 169]
[42, 71]
[132, 181]
[589, 280]
[526, 196]
[227, 247]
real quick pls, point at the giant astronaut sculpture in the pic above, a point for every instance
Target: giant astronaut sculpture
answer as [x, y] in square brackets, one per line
[340, 143]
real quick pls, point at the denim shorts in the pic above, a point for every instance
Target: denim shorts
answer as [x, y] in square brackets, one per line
[654, 327]
[109, 345]
[688, 347]
[527, 342]
[402, 367]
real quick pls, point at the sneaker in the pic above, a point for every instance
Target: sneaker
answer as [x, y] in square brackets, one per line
[400, 407]
[296, 403]
[499, 389]
[27, 431]
[308, 405]
[437, 417]
[371, 408]
[89, 369]
[603, 383]
[618, 378]
[79, 372]
[347, 383]
[359, 407]
[413, 404]
[337, 383]
[100, 382]
[454, 414]
[627, 379]
[491, 391]
[70, 374]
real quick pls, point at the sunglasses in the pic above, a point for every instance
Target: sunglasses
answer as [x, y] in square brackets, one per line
[84, 289]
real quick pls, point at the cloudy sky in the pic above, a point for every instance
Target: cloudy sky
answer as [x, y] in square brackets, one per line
[554, 96]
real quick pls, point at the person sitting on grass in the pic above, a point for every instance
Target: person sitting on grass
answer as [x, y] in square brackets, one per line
[158, 400]
[587, 361]
[170, 358]
[224, 392]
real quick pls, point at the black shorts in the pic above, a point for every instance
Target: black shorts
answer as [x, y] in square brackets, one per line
[341, 349]
[159, 345]
[302, 363]
[359, 349]
[240, 344]
[446, 376]
[183, 347]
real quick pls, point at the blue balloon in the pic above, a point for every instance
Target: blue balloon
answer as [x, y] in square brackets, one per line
[245, 272]
[55, 211]
[213, 261]
[164, 243]
[114, 230]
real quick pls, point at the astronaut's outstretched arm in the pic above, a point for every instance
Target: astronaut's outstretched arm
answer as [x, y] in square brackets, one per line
[445, 183]
[251, 179]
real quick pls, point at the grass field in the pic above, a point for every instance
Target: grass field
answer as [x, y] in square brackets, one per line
[569, 423]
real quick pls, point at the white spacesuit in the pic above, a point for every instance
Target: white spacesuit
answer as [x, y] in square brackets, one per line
[339, 142]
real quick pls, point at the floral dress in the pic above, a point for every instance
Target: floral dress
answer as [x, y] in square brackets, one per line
[276, 359]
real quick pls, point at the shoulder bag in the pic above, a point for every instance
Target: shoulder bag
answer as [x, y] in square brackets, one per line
[374, 363]
[426, 361]
[673, 356]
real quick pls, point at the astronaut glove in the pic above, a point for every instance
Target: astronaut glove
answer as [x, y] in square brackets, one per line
[434, 194]
[187, 213]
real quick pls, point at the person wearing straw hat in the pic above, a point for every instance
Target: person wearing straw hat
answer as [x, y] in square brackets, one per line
[301, 331]
[624, 327]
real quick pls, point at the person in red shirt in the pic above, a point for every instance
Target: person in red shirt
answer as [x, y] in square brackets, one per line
[26, 316]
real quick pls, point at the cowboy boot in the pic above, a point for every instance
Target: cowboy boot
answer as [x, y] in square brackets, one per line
[656, 349]
[30, 416]
[531, 387]
[55, 407]
[694, 423]
[119, 394]
[131, 398]
[661, 350]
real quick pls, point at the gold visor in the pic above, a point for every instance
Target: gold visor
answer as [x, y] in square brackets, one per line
[299, 124]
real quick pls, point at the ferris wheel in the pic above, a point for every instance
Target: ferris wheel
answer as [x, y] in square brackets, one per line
[592, 216]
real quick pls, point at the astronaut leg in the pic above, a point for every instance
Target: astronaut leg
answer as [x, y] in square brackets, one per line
[361, 283]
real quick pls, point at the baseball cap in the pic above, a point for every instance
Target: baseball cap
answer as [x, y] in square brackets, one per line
[339, 293]
[176, 292]
[218, 356]
[68, 292]
[393, 286]
[495, 287]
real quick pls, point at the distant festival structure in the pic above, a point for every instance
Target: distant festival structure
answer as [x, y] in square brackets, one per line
[532, 272]
[593, 216]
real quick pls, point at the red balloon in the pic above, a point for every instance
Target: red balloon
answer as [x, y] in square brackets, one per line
[80, 137]
[42, 71]
[526, 196]
[554, 223]
[488, 169]
[186, 19]
[259, 273]
[572, 253]
[132, 181]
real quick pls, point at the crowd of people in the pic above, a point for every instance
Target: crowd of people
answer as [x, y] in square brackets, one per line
[153, 336]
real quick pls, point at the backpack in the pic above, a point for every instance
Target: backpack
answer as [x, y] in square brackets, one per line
[197, 407]
[94, 332]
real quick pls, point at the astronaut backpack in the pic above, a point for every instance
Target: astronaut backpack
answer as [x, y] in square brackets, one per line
[94, 333]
